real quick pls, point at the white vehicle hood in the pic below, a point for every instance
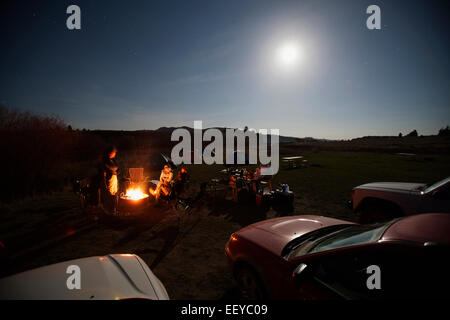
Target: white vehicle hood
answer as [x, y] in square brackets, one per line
[393, 186]
[111, 277]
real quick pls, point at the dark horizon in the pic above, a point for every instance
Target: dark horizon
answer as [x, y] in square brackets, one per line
[404, 134]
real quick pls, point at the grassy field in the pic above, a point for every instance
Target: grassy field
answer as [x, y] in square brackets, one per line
[324, 185]
[186, 249]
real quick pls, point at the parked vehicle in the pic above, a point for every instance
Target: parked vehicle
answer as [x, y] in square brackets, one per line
[381, 201]
[316, 257]
[111, 277]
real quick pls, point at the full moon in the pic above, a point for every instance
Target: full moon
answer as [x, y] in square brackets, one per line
[288, 55]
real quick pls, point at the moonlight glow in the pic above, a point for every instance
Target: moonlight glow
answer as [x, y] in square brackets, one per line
[288, 55]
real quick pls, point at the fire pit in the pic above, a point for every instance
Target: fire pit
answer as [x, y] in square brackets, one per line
[134, 200]
[135, 194]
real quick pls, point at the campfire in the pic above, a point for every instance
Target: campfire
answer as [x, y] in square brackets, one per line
[134, 194]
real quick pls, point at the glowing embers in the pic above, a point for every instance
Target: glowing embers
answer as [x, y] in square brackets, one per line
[134, 194]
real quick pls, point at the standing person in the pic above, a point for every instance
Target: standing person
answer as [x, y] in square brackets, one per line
[110, 169]
[182, 178]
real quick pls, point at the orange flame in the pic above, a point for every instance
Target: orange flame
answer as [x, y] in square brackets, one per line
[134, 194]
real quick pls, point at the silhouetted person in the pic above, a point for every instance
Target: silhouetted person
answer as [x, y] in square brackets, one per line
[182, 178]
[110, 186]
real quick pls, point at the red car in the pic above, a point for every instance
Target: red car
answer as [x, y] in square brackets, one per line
[316, 257]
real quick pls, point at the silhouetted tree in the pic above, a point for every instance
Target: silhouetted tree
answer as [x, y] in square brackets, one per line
[400, 135]
[444, 132]
[412, 134]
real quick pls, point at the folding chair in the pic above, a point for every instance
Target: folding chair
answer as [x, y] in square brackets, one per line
[136, 178]
[136, 175]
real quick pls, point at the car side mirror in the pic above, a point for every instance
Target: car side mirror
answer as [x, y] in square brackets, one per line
[301, 273]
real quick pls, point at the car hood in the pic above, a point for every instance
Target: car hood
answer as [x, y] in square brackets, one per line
[111, 277]
[393, 186]
[275, 234]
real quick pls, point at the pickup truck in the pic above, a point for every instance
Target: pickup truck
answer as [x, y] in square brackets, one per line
[381, 201]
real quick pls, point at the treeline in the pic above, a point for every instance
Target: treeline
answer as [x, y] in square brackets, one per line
[36, 150]
[444, 132]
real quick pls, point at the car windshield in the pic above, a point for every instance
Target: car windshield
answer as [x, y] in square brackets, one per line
[349, 236]
[437, 185]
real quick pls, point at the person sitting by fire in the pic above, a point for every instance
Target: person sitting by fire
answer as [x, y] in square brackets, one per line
[165, 183]
[110, 186]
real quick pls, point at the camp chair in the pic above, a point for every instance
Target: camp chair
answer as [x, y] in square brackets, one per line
[137, 177]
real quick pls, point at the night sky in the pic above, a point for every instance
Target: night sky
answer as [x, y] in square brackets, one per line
[146, 64]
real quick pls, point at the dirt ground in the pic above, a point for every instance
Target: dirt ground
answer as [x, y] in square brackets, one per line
[185, 249]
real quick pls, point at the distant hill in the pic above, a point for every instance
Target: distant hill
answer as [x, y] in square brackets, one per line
[390, 144]
[282, 139]
[160, 139]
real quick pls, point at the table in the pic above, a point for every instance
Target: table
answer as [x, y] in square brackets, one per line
[292, 162]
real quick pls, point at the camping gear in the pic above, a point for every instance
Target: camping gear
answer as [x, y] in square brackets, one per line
[283, 198]
[263, 199]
